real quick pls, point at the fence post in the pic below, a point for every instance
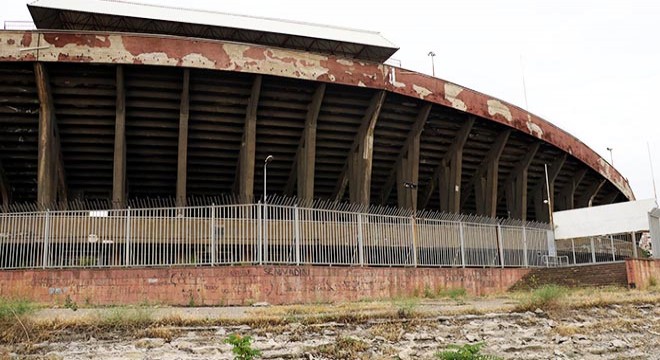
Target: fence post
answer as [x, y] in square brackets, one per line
[259, 235]
[593, 251]
[524, 236]
[612, 245]
[414, 239]
[573, 247]
[634, 244]
[46, 235]
[296, 217]
[127, 255]
[212, 234]
[499, 244]
[360, 240]
[462, 238]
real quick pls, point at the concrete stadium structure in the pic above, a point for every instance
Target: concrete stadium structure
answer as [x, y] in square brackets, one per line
[115, 101]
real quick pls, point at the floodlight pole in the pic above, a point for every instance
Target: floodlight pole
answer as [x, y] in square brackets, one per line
[432, 55]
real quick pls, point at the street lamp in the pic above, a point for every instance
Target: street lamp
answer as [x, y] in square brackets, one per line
[268, 160]
[611, 158]
[432, 55]
[409, 185]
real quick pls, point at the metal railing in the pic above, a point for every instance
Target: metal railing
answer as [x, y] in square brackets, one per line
[597, 249]
[264, 234]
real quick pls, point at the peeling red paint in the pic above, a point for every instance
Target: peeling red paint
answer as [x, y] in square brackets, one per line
[91, 40]
[27, 39]
[255, 53]
[177, 49]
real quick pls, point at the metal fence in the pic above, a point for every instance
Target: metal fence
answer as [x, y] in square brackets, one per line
[264, 234]
[597, 249]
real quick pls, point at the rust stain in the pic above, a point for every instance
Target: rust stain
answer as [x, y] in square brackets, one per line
[11, 42]
[27, 39]
[75, 58]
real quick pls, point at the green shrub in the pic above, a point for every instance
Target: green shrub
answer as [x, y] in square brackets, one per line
[465, 352]
[242, 347]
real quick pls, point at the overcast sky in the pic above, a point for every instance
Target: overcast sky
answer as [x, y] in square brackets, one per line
[592, 67]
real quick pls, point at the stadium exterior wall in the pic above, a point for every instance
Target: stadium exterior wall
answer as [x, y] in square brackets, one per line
[245, 285]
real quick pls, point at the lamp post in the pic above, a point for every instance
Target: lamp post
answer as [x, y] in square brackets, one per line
[268, 160]
[611, 158]
[432, 55]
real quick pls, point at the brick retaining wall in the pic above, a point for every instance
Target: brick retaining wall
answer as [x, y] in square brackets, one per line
[608, 274]
[642, 272]
[242, 285]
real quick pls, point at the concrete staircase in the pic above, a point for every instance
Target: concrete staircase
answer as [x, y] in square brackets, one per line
[610, 274]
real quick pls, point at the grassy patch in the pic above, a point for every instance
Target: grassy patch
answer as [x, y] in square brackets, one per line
[465, 352]
[546, 297]
[10, 309]
[453, 293]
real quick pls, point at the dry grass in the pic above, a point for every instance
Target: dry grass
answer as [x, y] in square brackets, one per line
[344, 347]
[395, 315]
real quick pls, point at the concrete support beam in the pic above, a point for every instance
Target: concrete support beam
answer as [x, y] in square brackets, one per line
[515, 187]
[540, 191]
[448, 174]
[485, 178]
[566, 199]
[182, 159]
[587, 198]
[406, 166]
[304, 162]
[357, 171]
[245, 180]
[51, 178]
[610, 198]
[119, 192]
[5, 190]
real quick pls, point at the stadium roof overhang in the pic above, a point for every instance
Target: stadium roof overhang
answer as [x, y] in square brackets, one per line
[107, 15]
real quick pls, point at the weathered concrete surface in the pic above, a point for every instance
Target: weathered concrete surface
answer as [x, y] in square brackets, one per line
[100, 47]
[241, 285]
[606, 274]
[642, 273]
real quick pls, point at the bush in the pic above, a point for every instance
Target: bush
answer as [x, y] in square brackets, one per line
[465, 352]
[242, 347]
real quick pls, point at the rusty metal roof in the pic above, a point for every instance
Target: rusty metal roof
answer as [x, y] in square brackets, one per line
[121, 16]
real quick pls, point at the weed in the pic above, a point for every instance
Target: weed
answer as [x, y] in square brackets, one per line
[465, 352]
[191, 301]
[70, 304]
[126, 318]
[242, 347]
[428, 292]
[453, 293]
[653, 282]
[406, 308]
[546, 297]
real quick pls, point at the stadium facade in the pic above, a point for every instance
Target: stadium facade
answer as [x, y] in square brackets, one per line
[116, 101]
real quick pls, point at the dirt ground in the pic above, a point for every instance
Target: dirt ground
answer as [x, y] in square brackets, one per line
[588, 324]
